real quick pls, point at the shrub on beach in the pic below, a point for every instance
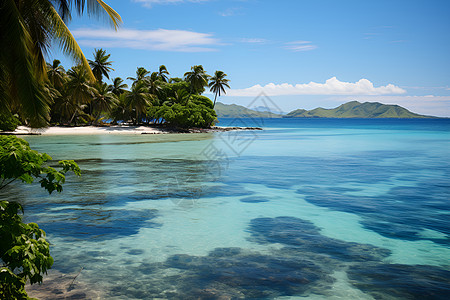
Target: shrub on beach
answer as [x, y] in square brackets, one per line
[198, 113]
[8, 122]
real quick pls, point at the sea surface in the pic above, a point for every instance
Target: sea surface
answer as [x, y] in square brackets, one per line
[304, 209]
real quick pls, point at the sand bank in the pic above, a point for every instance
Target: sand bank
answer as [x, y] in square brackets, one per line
[116, 129]
[88, 130]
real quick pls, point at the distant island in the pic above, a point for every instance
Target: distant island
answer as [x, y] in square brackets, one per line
[352, 109]
[238, 111]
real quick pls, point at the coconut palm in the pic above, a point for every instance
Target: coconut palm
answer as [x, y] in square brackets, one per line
[27, 28]
[162, 74]
[118, 87]
[154, 83]
[78, 87]
[218, 83]
[56, 74]
[65, 107]
[197, 79]
[141, 73]
[103, 100]
[138, 99]
[100, 65]
[121, 111]
[179, 96]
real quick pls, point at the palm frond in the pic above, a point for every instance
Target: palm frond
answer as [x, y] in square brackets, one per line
[24, 90]
[68, 44]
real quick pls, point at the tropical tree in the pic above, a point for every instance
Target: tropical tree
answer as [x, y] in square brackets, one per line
[138, 99]
[65, 107]
[154, 84]
[56, 74]
[118, 87]
[103, 99]
[217, 84]
[179, 96]
[162, 73]
[121, 111]
[197, 79]
[141, 73]
[100, 66]
[26, 31]
[79, 88]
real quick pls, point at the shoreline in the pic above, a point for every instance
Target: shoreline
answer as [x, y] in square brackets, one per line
[116, 130]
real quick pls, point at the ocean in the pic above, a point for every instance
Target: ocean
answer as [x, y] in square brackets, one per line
[304, 209]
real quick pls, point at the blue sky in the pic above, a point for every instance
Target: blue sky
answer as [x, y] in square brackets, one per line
[302, 54]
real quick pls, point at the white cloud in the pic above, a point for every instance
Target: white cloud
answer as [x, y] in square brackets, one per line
[159, 39]
[331, 87]
[150, 3]
[297, 46]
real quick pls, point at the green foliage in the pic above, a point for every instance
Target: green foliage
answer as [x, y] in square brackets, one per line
[197, 79]
[152, 98]
[18, 161]
[198, 112]
[24, 252]
[218, 83]
[8, 122]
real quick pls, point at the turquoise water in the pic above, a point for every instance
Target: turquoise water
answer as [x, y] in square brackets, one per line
[315, 208]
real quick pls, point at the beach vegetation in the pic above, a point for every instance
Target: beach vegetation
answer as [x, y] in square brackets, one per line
[8, 121]
[27, 30]
[100, 66]
[24, 251]
[37, 94]
[218, 83]
[152, 99]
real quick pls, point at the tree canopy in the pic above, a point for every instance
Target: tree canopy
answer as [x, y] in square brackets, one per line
[27, 29]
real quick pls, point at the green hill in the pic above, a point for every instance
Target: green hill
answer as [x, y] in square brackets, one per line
[355, 109]
[238, 111]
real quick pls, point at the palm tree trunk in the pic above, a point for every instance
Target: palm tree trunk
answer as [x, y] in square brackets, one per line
[73, 116]
[214, 105]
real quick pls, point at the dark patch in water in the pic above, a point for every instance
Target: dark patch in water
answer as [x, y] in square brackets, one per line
[229, 273]
[135, 252]
[301, 268]
[99, 224]
[395, 281]
[305, 236]
[402, 213]
[254, 199]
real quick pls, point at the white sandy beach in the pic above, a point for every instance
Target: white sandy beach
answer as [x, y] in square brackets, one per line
[89, 130]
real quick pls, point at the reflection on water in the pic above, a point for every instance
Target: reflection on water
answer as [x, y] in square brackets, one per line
[309, 209]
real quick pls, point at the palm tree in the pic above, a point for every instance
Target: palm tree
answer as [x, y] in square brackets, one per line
[154, 84]
[56, 74]
[141, 73]
[179, 96]
[218, 83]
[162, 74]
[121, 111]
[118, 87]
[65, 107]
[27, 28]
[78, 87]
[138, 98]
[197, 79]
[100, 65]
[103, 99]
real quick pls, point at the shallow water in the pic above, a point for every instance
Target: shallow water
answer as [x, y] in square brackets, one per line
[316, 208]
